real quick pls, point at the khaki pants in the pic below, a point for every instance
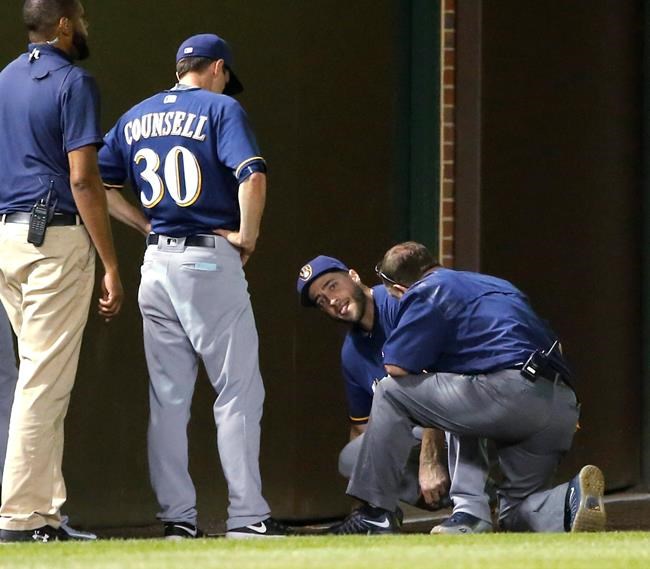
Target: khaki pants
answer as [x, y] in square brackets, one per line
[46, 291]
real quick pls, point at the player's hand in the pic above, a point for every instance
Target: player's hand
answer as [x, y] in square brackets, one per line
[110, 302]
[236, 240]
[434, 482]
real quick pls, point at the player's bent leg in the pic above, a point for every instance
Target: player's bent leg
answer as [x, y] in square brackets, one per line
[468, 468]
[348, 456]
[526, 501]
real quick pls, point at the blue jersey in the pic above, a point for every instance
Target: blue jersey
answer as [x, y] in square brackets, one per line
[182, 151]
[362, 357]
[48, 108]
[466, 323]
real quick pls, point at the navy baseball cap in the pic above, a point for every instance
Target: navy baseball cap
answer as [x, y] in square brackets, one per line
[314, 269]
[212, 47]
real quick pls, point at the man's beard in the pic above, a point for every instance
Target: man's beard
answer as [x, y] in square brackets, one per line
[81, 46]
[359, 297]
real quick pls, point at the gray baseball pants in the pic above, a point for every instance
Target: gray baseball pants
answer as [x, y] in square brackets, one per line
[8, 380]
[409, 488]
[531, 423]
[195, 304]
[468, 470]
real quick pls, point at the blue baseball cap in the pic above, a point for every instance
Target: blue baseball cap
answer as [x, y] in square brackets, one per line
[212, 47]
[314, 269]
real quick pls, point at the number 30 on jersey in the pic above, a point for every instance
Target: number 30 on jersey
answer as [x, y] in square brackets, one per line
[181, 170]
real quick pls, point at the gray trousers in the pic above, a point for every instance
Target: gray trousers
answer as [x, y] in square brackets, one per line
[195, 304]
[409, 488]
[532, 425]
[8, 380]
[468, 470]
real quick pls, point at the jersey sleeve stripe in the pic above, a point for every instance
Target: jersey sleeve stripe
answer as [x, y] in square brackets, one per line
[113, 186]
[246, 162]
[359, 419]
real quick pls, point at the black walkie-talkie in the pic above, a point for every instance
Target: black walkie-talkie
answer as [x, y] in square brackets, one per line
[538, 363]
[41, 214]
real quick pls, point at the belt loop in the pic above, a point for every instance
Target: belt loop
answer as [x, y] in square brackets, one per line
[77, 219]
[4, 219]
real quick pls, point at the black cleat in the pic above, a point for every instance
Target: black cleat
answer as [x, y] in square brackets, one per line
[368, 521]
[181, 530]
[461, 523]
[267, 528]
[44, 534]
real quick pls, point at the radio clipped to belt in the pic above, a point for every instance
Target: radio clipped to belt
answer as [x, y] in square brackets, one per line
[539, 364]
[40, 216]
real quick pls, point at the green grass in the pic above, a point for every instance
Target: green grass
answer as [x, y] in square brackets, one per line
[503, 551]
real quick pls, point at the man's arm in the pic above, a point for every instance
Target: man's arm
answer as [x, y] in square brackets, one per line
[395, 371]
[127, 213]
[434, 476]
[357, 430]
[90, 198]
[252, 198]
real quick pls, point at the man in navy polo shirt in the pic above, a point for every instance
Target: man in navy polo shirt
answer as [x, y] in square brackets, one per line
[328, 284]
[469, 355]
[191, 157]
[49, 135]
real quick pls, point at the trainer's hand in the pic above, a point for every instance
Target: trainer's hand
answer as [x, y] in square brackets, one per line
[110, 302]
[236, 240]
[434, 482]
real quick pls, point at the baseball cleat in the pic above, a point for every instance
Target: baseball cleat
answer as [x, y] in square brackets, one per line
[461, 523]
[368, 521]
[584, 509]
[268, 528]
[175, 531]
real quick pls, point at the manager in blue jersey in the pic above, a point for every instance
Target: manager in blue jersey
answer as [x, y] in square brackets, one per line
[328, 284]
[469, 355]
[191, 157]
[49, 136]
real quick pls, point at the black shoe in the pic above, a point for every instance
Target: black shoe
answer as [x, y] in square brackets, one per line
[267, 528]
[181, 530]
[584, 508]
[367, 520]
[462, 522]
[44, 534]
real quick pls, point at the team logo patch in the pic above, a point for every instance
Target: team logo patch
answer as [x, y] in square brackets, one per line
[188, 50]
[306, 272]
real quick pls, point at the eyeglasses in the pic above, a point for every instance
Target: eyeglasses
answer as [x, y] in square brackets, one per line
[385, 277]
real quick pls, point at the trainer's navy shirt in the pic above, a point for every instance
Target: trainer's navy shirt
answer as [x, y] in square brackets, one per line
[182, 151]
[465, 323]
[48, 107]
[362, 357]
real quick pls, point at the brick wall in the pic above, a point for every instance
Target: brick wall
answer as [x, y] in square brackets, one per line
[447, 130]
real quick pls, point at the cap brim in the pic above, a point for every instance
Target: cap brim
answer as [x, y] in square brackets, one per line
[234, 86]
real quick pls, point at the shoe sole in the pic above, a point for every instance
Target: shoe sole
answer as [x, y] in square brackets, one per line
[591, 510]
[252, 536]
[460, 530]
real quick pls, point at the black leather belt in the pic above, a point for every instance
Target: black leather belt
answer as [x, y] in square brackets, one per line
[58, 219]
[190, 240]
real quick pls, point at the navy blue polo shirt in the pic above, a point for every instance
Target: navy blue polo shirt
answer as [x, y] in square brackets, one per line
[183, 152]
[466, 323]
[362, 357]
[48, 108]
